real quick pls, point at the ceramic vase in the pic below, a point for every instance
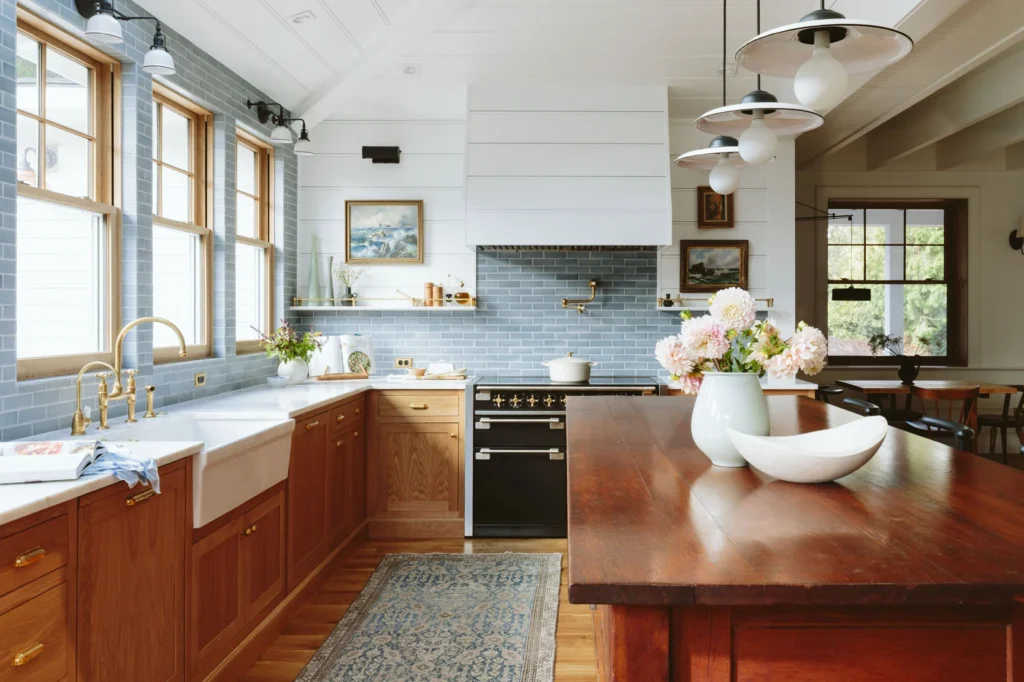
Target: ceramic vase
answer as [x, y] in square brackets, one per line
[331, 288]
[908, 371]
[727, 400]
[313, 289]
[293, 371]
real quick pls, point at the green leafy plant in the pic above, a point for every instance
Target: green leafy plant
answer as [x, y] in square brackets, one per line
[287, 344]
[894, 345]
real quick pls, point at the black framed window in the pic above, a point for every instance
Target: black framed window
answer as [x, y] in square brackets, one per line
[911, 256]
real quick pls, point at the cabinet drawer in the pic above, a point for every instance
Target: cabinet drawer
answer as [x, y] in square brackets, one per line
[34, 639]
[418, 404]
[35, 551]
[344, 416]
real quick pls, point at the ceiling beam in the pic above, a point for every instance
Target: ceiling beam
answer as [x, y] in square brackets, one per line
[998, 132]
[995, 86]
[389, 49]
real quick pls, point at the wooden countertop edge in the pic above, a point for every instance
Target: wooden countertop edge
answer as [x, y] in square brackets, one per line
[796, 595]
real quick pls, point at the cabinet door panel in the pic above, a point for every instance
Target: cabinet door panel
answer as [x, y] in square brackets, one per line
[419, 467]
[263, 576]
[131, 574]
[216, 610]
[307, 510]
[339, 487]
[357, 450]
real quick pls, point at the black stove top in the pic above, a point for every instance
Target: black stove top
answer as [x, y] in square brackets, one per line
[545, 381]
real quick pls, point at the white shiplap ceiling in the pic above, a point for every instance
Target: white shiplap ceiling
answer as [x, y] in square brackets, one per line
[345, 44]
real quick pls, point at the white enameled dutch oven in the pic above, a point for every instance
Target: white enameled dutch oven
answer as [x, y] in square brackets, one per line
[569, 370]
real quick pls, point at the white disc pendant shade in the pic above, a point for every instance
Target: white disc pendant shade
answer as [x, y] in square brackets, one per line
[103, 28]
[708, 157]
[783, 118]
[857, 45]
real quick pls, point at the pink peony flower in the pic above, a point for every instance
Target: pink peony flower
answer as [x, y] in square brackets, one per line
[704, 338]
[733, 308]
[689, 384]
[811, 349]
[671, 353]
[785, 365]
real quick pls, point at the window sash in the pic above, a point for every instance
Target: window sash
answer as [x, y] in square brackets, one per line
[264, 158]
[267, 293]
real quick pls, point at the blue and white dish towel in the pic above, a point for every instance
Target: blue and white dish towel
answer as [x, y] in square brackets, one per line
[118, 460]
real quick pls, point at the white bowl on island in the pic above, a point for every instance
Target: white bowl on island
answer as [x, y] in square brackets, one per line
[815, 457]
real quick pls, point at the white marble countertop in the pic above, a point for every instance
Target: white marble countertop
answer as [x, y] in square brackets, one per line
[19, 500]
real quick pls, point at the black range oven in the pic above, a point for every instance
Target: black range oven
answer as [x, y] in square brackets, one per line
[519, 468]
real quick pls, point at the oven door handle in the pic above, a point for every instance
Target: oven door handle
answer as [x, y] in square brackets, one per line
[554, 423]
[553, 454]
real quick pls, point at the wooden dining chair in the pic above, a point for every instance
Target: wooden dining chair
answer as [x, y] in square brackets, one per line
[953, 416]
[823, 393]
[1002, 423]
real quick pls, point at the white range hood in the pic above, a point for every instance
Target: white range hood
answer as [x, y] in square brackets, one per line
[568, 167]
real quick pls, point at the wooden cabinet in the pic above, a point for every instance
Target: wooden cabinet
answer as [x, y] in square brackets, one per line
[34, 637]
[237, 572]
[131, 581]
[357, 451]
[415, 464]
[346, 470]
[307, 503]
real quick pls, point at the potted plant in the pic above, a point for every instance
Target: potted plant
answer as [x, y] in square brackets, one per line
[893, 345]
[294, 350]
[344, 277]
[721, 357]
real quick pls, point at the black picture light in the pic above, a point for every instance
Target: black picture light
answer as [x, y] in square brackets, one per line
[382, 154]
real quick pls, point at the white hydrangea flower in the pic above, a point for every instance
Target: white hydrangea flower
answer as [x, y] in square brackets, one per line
[733, 308]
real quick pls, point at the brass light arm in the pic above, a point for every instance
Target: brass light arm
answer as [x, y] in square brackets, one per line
[118, 389]
[581, 304]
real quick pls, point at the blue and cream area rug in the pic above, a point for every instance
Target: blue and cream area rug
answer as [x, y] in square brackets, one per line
[447, 618]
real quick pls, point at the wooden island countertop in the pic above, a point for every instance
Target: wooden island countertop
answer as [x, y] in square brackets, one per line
[911, 568]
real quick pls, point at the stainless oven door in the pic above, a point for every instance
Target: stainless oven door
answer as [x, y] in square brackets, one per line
[519, 492]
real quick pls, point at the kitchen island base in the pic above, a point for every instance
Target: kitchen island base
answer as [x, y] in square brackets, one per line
[809, 644]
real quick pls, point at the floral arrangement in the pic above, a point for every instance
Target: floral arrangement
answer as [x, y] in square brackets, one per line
[893, 345]
[731, 339]
[346, 274]
[287, 344]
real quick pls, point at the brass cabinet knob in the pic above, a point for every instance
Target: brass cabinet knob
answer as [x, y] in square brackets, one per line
[358, 410]
[341, 418]
[355, 434]
[454, 435]
[249, 531]
[339, 443]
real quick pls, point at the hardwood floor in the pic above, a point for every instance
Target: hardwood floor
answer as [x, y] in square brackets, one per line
[575, 659]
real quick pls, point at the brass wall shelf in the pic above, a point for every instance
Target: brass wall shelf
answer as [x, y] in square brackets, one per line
[686, 303]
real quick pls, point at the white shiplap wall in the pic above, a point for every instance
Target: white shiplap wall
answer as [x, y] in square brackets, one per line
[568, 166]
[764, 207]
[433, 142]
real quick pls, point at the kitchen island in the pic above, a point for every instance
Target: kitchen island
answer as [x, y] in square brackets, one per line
[910, 569]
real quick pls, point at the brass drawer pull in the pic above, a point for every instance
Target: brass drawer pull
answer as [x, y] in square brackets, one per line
[249, 531]
[339, 443]
[357, 410]
[139, 497]
[418, 406]
[355, 434]
[27, 655]
[341, 418]
[30, 557]
[313, 424]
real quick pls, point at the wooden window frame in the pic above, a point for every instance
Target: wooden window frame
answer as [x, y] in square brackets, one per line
[954, 278]
[265, 240]
[201, 142]
[105, 191]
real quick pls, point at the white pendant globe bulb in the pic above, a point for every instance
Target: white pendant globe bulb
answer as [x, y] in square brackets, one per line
[758, 143]
[821, 82]
[725, 177]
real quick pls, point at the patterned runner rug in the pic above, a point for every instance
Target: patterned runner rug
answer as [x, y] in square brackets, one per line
[447, 618]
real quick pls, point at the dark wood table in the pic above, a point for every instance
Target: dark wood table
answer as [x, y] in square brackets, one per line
[910, 569]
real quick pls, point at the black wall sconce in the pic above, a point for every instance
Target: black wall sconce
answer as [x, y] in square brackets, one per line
[382, 154]
[104, 27]
[282, 134]
[1016, 240]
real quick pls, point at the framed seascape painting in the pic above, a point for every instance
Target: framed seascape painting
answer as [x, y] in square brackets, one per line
[713, 209]
[383, 232]
[709, 266]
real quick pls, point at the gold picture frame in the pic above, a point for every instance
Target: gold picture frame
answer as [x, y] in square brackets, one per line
[383, 232]
[710, 266]
[714, 210]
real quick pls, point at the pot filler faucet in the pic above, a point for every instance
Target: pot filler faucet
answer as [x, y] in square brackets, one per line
[79, 422]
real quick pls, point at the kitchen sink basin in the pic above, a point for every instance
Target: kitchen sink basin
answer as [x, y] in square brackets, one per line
[242, 455]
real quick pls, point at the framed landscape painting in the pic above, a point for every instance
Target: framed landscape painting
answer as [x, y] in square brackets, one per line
[713, 209]
[710, 266]
[383, 232]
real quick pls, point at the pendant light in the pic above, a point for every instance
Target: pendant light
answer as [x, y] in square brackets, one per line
[819, 52]
[759, 120]
[721, 155]
[303, 146]
[281, 134]
[104, 27]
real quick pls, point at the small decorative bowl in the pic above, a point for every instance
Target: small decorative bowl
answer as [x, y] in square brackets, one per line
[417, 371]
[814, 457]
[277, 382]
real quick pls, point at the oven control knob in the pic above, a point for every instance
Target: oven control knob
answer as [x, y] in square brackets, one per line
[562, 400]
[531, 400]
[515, 401]
[548, 400]
[498, 400]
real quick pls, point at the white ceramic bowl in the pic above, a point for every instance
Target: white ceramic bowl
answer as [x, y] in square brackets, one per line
[814, 457]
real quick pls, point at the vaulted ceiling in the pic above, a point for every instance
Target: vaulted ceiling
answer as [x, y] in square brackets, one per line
[314, 55]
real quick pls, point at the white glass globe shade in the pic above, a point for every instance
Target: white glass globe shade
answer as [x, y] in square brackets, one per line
[725, 177]
[158, 62]
[303, 147]
[281, 135]
[821, 82]
[758, 143]
[103, 28]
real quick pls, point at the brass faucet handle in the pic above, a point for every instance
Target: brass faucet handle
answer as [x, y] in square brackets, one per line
[132, 373]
